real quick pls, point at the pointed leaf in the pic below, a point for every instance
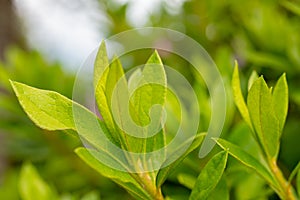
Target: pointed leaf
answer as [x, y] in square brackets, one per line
[252, 78]
[263, 117]
[52, 111]
[281, 100]
[48, 110]
[238, 96]
[101, 66]
[246, 159]
[209, 176]
[101, 71]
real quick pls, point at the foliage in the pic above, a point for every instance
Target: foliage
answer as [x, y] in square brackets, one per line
[52, 111]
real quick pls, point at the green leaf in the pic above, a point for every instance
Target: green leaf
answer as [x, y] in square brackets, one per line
[101, 66]
[187, 180]
[221, 191]
[105, 78]
[246, 159]
[32, 186]
[209, 176]
[150, 90]
[48, 110]
[281, 100]
[238, 96]
[294, 172]
[52, 111]
[252, 78]
[124, 179]
[164, 172]
[263, 117]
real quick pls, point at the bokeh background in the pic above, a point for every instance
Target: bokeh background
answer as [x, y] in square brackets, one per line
[43, 43]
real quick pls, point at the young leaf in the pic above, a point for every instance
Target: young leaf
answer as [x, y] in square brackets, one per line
[124, 179]
[263, 118]
[246, 159]
[31, 185]
[101, 71]
[281, 100]
[209, 176]
[52, 111]
[252, 78]
[48, 110]
[238, 96]
[101, 66]
[164, 172]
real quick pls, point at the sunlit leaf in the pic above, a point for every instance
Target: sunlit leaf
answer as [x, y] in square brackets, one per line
[238, 96]
[48, 110]
[252, 78]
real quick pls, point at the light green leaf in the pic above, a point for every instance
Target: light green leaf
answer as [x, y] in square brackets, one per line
[52, 111]
[164, 172]
[281, 100]
[150, 90]
[263, 117]
[252, 78]
[48, 110]
[187, 180]
[101, 66]
[246, 159]
[209, 176]
[32, 186]
[238, 96]
[124, 179]
[105, 79]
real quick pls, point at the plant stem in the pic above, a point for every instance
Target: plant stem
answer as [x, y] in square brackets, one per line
[149, 187]
[286, 190]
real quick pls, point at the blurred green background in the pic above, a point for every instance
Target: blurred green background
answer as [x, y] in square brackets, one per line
[43, 43]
